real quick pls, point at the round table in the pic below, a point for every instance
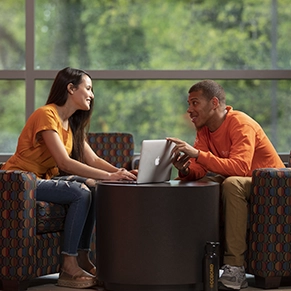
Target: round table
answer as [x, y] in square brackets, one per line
[152, 236]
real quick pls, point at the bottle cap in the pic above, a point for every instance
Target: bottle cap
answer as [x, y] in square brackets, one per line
[210, 246]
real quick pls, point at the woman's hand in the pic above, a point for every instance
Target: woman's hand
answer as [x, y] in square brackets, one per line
[134, 172]
[122, 174]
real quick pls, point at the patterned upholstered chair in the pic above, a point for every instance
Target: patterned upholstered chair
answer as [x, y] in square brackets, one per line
[30, 230]
[28, 248]
[115, 147]
[269, 250]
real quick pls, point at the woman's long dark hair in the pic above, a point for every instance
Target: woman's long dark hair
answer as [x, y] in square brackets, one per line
[80, 120]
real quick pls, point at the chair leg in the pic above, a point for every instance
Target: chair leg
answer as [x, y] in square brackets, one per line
[286, 281]
[11, 285]
[268, 282]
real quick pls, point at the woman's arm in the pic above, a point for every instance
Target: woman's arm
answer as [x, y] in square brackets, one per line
[93, 160]
[69, 165]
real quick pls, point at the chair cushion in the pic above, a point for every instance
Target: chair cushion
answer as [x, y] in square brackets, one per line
[50, 217]
[117, 148]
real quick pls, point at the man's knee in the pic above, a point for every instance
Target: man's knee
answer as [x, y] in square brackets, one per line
[236, 185]
[230, 182]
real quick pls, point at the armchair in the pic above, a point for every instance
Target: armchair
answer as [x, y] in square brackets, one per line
[269, 243]
[268, 256]
[115, 147]
[31, 231]
[30, 241]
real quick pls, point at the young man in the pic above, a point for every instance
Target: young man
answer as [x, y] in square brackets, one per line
[230, 144]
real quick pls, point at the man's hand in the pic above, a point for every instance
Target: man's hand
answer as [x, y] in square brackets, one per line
[182, 152]
[183, 147]
[181, 162]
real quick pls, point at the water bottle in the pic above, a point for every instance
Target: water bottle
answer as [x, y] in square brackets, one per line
[211, 266]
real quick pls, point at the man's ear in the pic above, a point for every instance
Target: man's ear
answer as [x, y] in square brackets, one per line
[70, 88]
[215, 102]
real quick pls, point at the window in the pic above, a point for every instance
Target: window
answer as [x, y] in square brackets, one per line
[143, 57]
[12, 33]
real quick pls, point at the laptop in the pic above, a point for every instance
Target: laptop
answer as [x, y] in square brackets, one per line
[155, 164]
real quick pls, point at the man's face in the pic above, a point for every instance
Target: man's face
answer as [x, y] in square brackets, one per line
[200, 110]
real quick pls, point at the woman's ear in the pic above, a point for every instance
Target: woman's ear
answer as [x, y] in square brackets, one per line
[70, 88]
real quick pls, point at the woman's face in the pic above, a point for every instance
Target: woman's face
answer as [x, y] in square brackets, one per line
[83, 95]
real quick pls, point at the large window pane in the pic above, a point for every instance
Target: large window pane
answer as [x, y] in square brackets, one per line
[12, 113]
[158, 34]
[42, 89]
[12, 35]
[157, 109]
[154, 34]
[148, 109]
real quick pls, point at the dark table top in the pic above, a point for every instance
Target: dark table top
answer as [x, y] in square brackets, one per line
[171, 183]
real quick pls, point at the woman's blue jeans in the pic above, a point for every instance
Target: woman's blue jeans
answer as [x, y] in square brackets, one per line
[80, 218]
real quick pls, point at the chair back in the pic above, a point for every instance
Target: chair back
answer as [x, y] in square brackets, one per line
[117, 148]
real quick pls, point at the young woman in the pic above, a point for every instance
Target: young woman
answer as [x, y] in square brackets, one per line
[53, 142]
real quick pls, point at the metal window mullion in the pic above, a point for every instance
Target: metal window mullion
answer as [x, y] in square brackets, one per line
[29, 58]
[177, 74]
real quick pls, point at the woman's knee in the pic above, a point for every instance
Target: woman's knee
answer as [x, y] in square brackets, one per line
[91, 182]
[63, 191]
[86, 192]
[80, 192]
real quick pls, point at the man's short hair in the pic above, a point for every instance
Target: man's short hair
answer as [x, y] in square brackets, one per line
[209, 89]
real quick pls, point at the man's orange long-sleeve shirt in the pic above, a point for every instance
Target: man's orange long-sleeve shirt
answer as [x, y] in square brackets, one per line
[236, 148]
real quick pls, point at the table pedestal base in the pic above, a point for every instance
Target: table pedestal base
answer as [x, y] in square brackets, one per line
[126, 287]
[152, 237]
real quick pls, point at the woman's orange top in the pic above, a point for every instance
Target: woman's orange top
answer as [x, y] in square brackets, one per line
[31, 154]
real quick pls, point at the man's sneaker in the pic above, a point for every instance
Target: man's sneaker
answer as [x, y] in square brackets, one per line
[232, 278]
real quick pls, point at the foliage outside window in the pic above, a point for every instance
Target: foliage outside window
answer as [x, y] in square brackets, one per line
[166, 35]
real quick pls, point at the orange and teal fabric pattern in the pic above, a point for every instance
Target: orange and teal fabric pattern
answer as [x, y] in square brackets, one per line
[50, 217]
[17, 224]
[30, 232]
[25, 253]
[115, 147]
[270, 228]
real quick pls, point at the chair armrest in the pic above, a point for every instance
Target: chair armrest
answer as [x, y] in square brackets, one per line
[18, 223]
[270, 217]
[135, 162]
[270, 195]
[270, 182]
